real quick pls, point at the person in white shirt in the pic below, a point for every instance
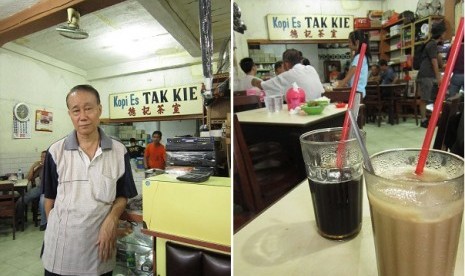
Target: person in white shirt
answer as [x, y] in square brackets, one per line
[305, 76]
[250, 70]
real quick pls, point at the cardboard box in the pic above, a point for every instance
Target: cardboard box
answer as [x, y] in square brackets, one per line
[362, 22]
[375, 23]
[374, 13]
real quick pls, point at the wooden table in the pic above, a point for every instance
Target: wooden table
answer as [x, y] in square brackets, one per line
[283, 240]
[258, 125]
[21, 187]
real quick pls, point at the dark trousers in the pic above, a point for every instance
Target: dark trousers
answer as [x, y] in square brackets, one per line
[48, 273]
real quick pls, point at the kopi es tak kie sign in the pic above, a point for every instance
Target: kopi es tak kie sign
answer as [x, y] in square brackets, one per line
[309, 27]
[161, 102]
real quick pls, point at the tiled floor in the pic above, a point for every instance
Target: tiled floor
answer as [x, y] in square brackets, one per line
[403, 135]
[20, 257]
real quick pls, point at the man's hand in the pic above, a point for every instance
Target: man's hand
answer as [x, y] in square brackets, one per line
[107, 238]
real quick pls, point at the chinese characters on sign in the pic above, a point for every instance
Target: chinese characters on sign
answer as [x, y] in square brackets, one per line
[171, 101]
[309, 27]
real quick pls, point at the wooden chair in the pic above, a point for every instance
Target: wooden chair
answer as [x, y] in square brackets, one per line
[7, 204]
[449, 110]
[373, 104]
[408, 107]
[261, 178]
[243, 103]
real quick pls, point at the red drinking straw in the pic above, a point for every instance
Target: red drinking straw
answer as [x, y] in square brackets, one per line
[353, 90]
[439, 99]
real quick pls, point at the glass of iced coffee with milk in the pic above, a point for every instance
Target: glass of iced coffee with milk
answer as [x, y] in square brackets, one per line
[416, 219]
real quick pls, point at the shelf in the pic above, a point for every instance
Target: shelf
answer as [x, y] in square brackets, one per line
[391, 37]
[400, 21]
[394, 63]
[390, 51]
[369, 29]
[420, 42]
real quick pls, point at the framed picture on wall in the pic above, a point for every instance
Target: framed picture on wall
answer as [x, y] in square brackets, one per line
[44, 120]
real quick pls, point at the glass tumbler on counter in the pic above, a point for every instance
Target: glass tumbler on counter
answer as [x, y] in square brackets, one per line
[278, 103]
[416, 219]
[270, 104]
[336, 191]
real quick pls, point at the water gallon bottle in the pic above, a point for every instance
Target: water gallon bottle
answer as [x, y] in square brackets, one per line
[20, 174]
[294, 96]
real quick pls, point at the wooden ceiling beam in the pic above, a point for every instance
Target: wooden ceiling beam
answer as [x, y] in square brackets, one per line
[46, 14]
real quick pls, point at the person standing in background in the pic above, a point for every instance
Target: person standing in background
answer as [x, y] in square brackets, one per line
[155, 153]
[87, 182]
[356, 39]
[429, 75]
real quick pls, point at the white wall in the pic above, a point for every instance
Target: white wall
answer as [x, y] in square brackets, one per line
[43, 82]
[41, 85]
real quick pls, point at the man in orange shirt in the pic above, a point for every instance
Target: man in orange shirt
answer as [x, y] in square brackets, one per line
[155, 154]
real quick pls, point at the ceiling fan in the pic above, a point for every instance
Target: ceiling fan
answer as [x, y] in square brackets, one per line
[72, 30]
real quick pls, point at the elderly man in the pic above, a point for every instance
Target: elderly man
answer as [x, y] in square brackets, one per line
[305, 76]
[87, 181]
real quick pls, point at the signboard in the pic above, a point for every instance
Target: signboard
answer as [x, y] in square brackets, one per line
[161, 102]
[309, 27]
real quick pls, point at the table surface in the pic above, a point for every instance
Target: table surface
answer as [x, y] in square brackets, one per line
[283, 241]
[262, 116]
[18, 183]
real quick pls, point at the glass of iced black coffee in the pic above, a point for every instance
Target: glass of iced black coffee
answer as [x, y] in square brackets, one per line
[336, 188]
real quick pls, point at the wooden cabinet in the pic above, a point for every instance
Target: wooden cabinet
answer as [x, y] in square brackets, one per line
[407, 46]
[408, 39]
[422, 28]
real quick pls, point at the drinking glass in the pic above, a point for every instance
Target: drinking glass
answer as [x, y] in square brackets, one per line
[416, 219]
[336, 190]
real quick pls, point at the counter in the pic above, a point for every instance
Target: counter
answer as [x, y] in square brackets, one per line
[193, 214]
[283, 240]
